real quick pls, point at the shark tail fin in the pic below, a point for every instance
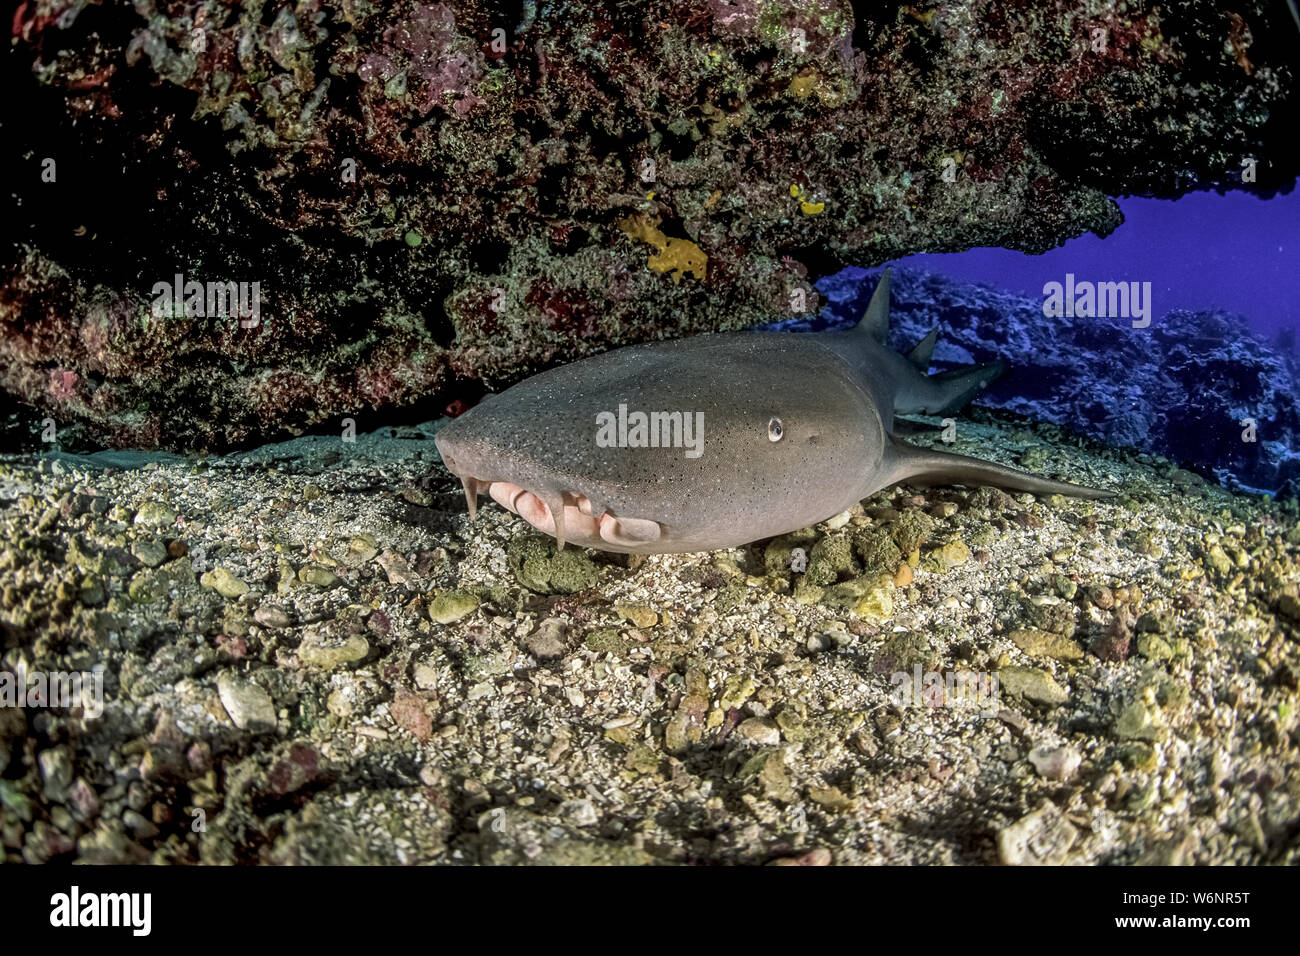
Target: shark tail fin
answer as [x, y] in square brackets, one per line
[925, 466]
[956, 388]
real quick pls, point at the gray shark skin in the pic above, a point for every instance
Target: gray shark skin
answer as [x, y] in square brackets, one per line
[796, 428]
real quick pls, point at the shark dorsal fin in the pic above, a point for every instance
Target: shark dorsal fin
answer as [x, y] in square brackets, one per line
[920, 356]
[875, 321]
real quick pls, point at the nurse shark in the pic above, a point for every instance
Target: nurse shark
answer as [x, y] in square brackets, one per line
[715, 441]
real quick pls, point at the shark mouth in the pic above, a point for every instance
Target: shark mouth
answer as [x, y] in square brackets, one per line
[565, 515]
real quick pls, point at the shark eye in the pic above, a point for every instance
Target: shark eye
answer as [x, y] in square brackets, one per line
[775, 430]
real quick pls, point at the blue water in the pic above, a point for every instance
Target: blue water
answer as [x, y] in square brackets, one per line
[1181, 387]
[1204, 251]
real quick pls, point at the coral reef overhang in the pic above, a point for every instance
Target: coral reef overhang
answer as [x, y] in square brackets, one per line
[434, 198]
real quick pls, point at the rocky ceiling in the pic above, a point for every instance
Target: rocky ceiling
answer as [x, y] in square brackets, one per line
[437, 198]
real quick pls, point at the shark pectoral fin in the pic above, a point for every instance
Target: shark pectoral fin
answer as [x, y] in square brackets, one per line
[920, 356]
[905, 426]
[955, 389]
[926, 466]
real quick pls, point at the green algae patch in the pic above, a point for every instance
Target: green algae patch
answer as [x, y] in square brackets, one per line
[606, 640]
[541, 569]
[1033, 683]
[830, 557]
[878, 551]
[911, 529]
[330, 652]
[789, 552]
[450, 606]
[224, 582]
[1038, 643]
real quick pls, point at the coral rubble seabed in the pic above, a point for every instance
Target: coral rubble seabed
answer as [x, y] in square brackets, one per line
[302, 664]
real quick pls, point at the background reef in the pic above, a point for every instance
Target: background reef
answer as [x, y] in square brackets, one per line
[1182, 388]
[439, 198]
